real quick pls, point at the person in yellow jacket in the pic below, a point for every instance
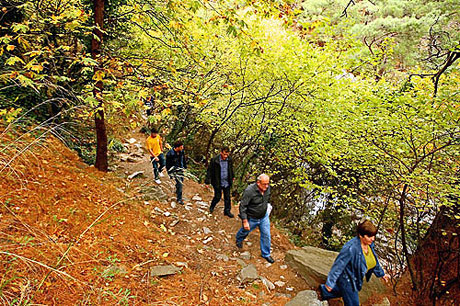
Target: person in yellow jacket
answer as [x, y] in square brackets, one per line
[154, 146]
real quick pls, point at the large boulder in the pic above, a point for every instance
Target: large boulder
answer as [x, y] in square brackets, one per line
[306, 298]
[248, 274]
[313, 264]
[164, 270]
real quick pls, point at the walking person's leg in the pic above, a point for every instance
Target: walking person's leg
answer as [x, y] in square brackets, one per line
[326, 295]
[162, 162]
[242, 233]
[349, 296]
[179, 177]
[155, 167]
[265, 237]
[216, 198]
[227, 202]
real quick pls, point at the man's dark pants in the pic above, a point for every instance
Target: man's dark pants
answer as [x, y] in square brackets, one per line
[179, 178]
[218, 195]
[158, 166]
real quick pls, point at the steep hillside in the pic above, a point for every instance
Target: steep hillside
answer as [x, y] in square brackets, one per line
[70, 234]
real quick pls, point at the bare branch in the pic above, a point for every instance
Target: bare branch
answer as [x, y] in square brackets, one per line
[344, 12]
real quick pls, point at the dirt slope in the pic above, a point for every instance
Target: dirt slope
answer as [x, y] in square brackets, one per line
[72, 235]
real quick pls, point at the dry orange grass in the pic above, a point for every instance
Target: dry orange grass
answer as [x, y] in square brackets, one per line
[70, 234]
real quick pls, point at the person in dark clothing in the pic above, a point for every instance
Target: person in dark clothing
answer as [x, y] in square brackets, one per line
[356, 260]
[255, 212]
[148, 102]
[175, 165]
[220, 176]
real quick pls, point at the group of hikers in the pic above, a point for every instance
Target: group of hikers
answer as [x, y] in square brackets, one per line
[356, 260]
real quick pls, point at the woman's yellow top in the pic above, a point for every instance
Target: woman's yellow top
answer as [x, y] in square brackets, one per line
[370, 258]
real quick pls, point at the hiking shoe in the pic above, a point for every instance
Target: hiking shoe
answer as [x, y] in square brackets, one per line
[320, 295]
[229, 214]
[181, 202]
[239, 244]
[158, 181]
[269, 259]
[211, 209]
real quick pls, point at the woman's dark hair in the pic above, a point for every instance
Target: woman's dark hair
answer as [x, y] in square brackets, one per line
[178, 143]
[154, 131]
[366, 228]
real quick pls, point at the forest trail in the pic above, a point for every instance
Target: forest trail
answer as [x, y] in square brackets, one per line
[206, 242]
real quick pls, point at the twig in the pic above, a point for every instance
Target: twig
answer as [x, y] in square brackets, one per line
[79, 238]
[100, 216]
[144, 263]
[43, 265]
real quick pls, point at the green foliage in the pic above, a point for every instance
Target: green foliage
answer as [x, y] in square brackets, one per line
[122, 296]
[116, 145]
[42, 56]
[418, 30]
[328, 105]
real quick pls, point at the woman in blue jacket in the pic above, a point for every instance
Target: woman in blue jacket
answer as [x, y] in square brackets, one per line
[356, 260]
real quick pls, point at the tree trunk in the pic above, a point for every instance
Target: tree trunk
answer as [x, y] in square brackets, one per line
[208, 146]
[101, 133]
[439, 258]
[402, 202]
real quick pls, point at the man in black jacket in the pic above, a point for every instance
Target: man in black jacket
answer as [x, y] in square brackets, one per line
[220, 175]
[255, 212]
[175, 165]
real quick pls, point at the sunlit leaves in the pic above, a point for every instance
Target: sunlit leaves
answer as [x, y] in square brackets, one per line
[99, 75]
[20, 28]
[25, 81]
[13, 60]
[8, 115]
[23, 42]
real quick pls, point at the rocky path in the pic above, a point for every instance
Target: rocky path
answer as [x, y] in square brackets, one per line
[204, 243]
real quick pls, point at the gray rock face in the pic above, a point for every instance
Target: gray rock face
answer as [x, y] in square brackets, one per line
[248, 274]
[280, 283]
[306, 298]
[137, 173]
[197, 198]
[313, 264]
[245, 255]
[153, 193]
[222, 257]
[164, 270]
[384, 302]
[268, 284]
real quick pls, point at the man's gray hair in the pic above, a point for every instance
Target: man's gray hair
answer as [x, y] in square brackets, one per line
[259, 178]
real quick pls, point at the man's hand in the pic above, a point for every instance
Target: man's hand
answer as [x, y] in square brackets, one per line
[156, 158]
[246, 224]
[329, 289]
